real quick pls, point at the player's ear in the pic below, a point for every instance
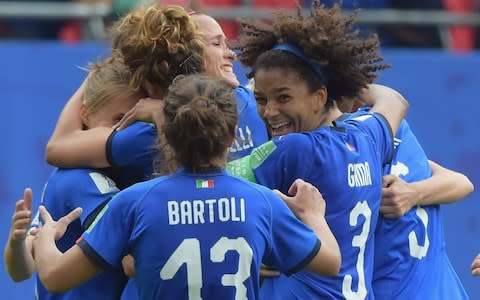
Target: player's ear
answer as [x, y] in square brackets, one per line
[320, 99]
[84, 115]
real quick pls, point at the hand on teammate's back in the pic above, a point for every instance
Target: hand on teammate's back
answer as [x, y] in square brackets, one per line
[397, 197]
[56, 229]
[145, 110]
[306, 201]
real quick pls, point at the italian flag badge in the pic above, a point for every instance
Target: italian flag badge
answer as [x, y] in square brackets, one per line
[204, 183]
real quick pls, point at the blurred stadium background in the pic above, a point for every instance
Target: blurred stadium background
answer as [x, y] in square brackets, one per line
[432, 46]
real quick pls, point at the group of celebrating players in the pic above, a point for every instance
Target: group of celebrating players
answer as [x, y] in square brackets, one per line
[173, 181]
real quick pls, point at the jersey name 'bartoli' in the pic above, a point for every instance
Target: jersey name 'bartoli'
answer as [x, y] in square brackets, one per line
[359, 175]
[206, 211]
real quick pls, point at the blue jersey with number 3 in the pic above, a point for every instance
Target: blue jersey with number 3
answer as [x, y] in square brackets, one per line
[410, 256]
[199, 235]
[345, 163]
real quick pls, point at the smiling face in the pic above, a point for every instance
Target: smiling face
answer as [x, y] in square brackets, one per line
[285, 102]
[218, 56]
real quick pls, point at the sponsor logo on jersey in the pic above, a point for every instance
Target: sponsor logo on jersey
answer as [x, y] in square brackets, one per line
[103, 183]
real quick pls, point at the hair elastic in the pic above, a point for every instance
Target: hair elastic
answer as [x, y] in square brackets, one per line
[299, 53]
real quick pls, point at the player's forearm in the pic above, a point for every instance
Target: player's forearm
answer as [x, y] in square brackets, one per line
[46, 258]
[388, 102]
[68, 135]
[69, 119]
[444, 186]
[81, 148]
[18, 260]
[328, 260]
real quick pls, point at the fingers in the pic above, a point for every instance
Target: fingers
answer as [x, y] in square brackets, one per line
[72, 216]
[21, 215]
[390, 212]
[388, 180]
[267, 272]
[288, 200]
[294, 187]
[127, 119]
[27, 199]
[22, 219]
[387, 192]
[19, 206]
[476, 266]
[44, 214]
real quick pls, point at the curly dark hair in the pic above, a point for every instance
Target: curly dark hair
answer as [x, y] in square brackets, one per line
[157, 44]
[200, 117]
[349, 59]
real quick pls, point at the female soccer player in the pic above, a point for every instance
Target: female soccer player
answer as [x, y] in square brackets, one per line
[106, 99]
[300, 66]
[410, 256]
[198, 233]
[174, 46]
[218, 61]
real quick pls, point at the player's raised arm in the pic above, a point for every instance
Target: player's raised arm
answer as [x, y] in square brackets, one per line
[443, 187]
[70, 145]
[53, 266]
[388, 102]
[18, 250]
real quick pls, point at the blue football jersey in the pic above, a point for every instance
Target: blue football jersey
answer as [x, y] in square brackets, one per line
[251, 130]
[345, 163]
[199, 236]
[410, 257]
[130, 292]
[131, 152]
[65, 190]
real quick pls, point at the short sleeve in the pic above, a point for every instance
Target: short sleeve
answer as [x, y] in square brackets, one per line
[293, 244]
[132, 152]
[377, 127]
[131, 145]
[107, 239]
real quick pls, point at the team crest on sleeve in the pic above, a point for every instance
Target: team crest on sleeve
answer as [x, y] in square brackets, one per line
[241, 167]
[260, 154]
[103, 183]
